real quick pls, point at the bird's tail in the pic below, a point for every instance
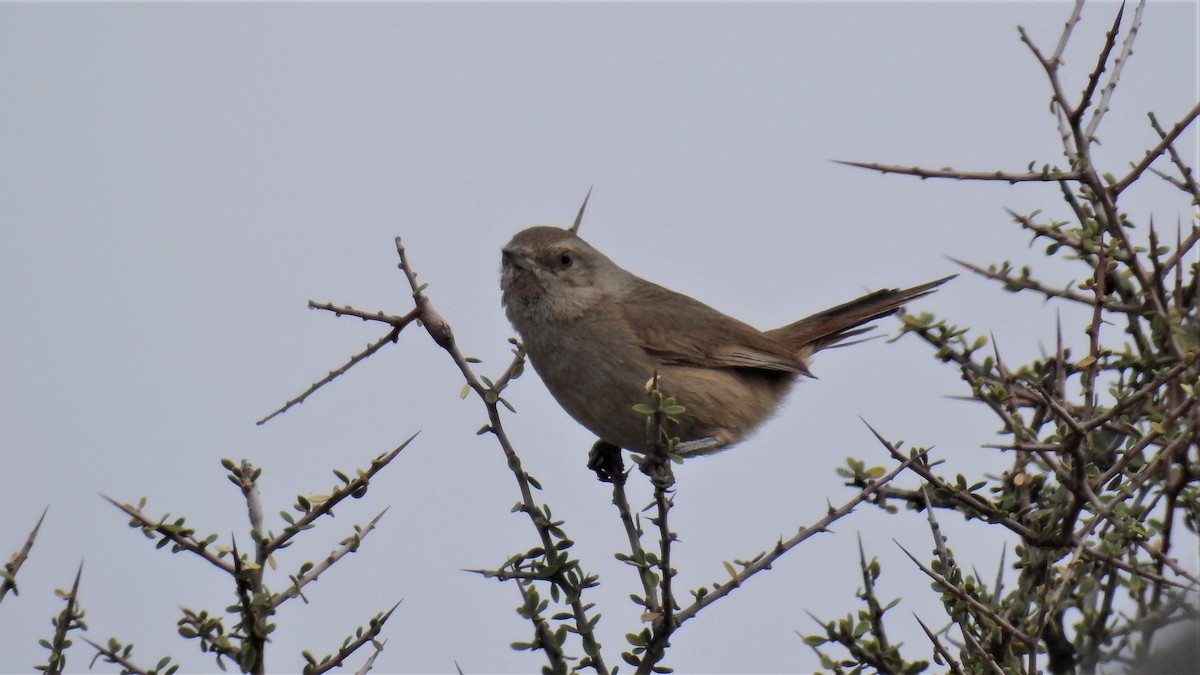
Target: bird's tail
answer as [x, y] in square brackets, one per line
[831, 327]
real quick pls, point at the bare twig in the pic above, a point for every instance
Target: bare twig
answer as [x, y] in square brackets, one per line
[1019, 283]
[181, 537]
[764, 560]
[1074, 144]
[1047, 176]
[1118, 64]
[1157, 151]
[1110, 40]
[8, 575]
[637, 555]
[113, 654]
[352, 487]
[346, 310]
[939, 649]
[374, 628]
[1188, 182]
[965, 597]
[370, 662]
[983, 655]
[1068, 28]
[348, 545]
[334, 374]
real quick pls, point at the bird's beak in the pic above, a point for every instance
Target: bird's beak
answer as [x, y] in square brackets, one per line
[516, 258]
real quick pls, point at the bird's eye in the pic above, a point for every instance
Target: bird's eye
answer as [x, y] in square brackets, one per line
[566, 259]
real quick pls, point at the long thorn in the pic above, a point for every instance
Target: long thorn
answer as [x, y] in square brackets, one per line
[579, 216]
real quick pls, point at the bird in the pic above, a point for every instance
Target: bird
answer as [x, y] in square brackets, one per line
[596, 334]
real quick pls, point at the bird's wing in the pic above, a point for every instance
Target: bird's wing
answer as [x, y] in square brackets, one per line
[680, 330]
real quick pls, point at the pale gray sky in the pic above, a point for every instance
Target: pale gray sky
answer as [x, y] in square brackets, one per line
[176, 181]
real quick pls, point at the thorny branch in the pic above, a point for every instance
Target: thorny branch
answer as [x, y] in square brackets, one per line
[246, 642]
[765, 559]
[1087, 472]
[8, 575]
[571, 584]
[1103, 446]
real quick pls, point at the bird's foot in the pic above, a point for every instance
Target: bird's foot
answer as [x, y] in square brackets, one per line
[605, 459]
[657, 466]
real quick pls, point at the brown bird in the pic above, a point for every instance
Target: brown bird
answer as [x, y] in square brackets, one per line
[596, 334]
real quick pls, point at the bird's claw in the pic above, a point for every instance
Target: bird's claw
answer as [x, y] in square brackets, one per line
[605, 459]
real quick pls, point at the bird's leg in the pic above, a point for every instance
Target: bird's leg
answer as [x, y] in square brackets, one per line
[605, 459]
